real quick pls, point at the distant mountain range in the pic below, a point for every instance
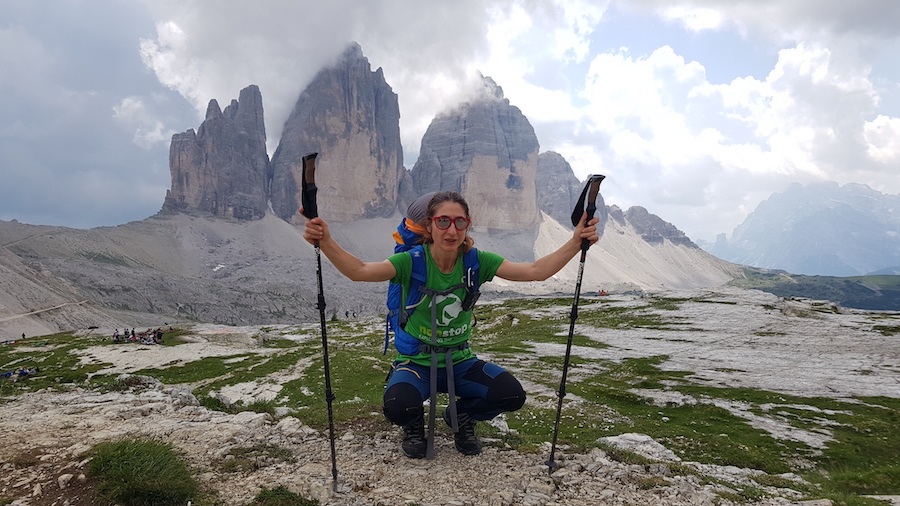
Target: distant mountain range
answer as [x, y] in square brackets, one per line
[819, 229]
[226, 246]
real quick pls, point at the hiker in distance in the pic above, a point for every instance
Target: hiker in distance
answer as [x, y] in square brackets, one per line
[484, 389]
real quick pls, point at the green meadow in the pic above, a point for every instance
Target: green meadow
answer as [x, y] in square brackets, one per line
[860, 454]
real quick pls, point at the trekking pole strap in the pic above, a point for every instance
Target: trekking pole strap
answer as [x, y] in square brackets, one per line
[451, 390]
[432, 411]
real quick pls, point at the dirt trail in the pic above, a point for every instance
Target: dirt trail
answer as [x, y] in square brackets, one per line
[22, 315]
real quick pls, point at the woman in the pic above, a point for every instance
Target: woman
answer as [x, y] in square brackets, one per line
[485, 389]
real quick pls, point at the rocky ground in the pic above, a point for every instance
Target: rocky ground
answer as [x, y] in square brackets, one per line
[45, 437]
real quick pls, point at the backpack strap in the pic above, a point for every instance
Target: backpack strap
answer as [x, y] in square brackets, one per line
[398, 310]
[472, 266]
[417, 280]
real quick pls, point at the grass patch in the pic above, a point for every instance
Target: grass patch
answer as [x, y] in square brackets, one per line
[207, 368]
[215, 403]
[861, 292]
[280, 496]
[701, 432]
[106, 259]
[172, 335]
[252, 458]
[887, 330]
[141, 472]
[358, 375]
[627, 317]
[54, 355]
[279, 343]
[127, 383]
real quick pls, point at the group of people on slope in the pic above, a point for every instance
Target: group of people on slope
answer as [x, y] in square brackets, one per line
[149, 336]
[20, 372]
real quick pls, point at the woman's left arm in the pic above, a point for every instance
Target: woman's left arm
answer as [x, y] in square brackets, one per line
[548, 265]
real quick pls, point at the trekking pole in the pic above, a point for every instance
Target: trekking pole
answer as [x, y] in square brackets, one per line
[591, 189]
[310, 210]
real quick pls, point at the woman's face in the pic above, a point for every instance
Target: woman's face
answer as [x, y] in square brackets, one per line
[449, 239]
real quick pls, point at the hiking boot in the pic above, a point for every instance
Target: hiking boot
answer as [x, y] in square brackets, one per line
[466, 440]
[414, 444]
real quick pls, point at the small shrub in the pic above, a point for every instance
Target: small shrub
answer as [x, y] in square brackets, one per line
[141, 472]
[260, 406]
[24, 460]
[246, 459]
[214, 404]
[280, 496]
[651, 482]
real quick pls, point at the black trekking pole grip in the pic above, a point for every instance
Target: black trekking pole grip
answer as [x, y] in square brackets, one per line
[592, 187]
[308, 187]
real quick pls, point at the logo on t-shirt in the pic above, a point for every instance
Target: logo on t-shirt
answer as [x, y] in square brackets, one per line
[448, 308]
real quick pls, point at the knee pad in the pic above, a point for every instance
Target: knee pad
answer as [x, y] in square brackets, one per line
[402, 403]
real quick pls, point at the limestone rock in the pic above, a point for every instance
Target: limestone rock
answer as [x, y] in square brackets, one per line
[223, 168]
[558, 189]
[351, 117]
[487, 150]
[616, 214]
[654, 229]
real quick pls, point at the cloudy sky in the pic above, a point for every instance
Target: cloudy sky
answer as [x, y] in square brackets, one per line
[694, 109]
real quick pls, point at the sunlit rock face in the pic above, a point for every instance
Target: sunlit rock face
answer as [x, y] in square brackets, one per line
[351, 117]
[487, 150]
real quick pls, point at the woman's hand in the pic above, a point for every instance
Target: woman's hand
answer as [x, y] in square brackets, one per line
[587, 231]
[316, 230]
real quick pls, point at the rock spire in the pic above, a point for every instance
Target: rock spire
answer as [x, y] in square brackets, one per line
[223, 167]
[487, 150]
[351, 117]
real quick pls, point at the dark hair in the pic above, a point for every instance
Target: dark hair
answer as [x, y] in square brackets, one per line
[438, 199]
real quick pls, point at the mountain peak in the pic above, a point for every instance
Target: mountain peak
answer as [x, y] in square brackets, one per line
[487, 150]
[819, 229]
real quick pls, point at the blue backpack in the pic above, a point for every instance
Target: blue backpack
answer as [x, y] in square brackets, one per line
[408, 238]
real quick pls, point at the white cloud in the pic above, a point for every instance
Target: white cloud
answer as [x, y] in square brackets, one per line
[696, 18]
[683, 139]
[132, 113]
[793, 20]
[210, 51]
[163, 56]
[580, 19]
[882, 136]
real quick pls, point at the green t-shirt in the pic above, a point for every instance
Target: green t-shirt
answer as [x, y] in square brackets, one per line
[454, 326]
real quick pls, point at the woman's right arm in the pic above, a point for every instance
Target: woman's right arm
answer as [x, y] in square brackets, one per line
[316, 231]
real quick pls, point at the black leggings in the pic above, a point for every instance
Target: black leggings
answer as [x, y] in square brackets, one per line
[485, 390]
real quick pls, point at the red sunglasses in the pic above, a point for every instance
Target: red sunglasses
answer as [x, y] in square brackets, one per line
[443, 222]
